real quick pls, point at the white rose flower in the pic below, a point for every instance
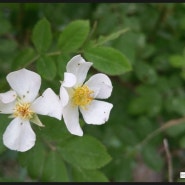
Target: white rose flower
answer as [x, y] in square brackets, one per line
[84, 97]
[24, 105]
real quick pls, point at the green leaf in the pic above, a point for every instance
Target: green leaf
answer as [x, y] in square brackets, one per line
[55, 131]
[54, 169]
[85, 152]
[145, 73]
[62, 61]
[147, 127]
[176, 104]
[73, 36]
[177, 61]
[143, 103]
[7, 46]
[43, 162]
[120, 169]
[34, 160]
[108, 60]
[3, 125]
[23, 59]
[42, 36]
[123, 133]
[46, 67]
[84, 175]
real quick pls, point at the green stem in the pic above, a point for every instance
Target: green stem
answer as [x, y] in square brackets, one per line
[53, 53]
[47, 54]
[112, 36]
[33, 60]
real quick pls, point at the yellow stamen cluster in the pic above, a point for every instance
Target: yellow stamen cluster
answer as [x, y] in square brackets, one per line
[82, 96]
[23, 111]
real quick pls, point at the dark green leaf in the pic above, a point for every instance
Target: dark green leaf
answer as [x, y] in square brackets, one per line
[42, 35]
[148, 101]
[85, 152]
[145, 73]
[46, 67]
[5, 121]
[24, 58]
[34, 160]
[73, 36]
[43, 162]
[62, 61]
[55, 131]
[7, 46]
[176, 104]
[84, 175]
[120, 169]
[54, 169]
[108, 60]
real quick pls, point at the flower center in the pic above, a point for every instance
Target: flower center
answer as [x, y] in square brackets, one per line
[23, 110]
[82, 96]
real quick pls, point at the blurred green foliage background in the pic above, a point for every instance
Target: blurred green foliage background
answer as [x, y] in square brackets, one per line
[151, 38]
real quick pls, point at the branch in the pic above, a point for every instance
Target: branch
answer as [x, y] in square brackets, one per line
[169, 161]
[162, 128]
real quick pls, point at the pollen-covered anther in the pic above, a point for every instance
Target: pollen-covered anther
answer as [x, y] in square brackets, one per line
[82, 96]
[23, 111]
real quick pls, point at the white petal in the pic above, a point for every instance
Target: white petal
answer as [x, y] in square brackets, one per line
[71, 119]
[97, 112]
[101, 85]
[19, 136]
[48, 104]
[7, 108]
[69, 80]
[26, 83]
[79, 67]
[64, 96]
[8, 96]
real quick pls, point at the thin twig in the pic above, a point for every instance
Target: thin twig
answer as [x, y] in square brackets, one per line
[162, 128]
[169, 160]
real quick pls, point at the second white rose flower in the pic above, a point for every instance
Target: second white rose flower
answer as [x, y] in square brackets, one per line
[83, 96]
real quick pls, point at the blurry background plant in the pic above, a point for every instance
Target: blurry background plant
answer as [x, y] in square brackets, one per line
[141, 48]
